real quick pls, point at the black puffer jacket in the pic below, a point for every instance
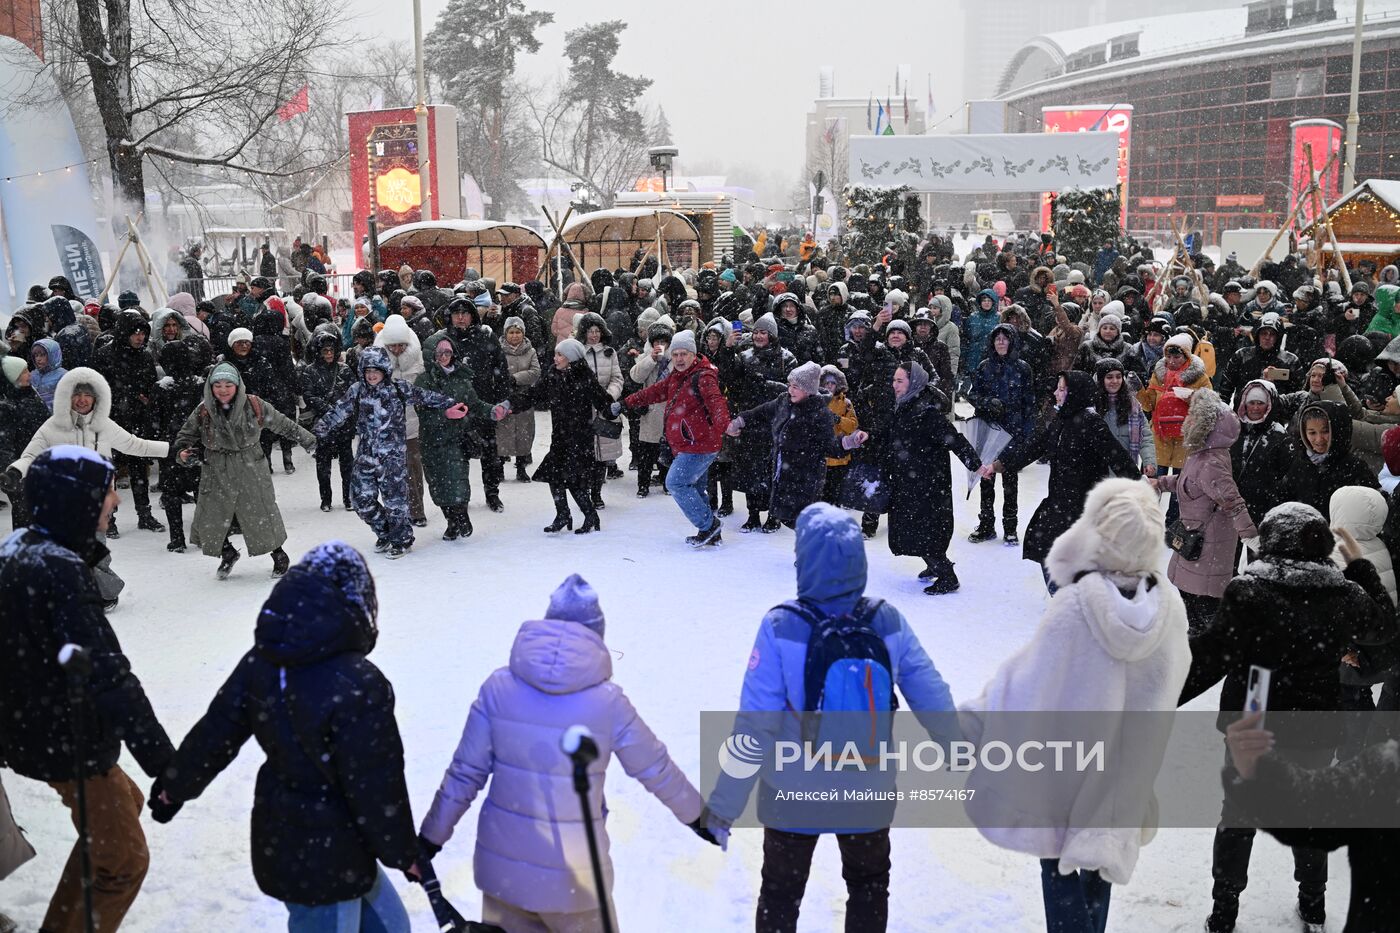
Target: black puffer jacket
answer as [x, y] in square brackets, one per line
[48, 599]
[1314, 483]
[330, 801]
[283, 385]
[130, 371]
[323, 384]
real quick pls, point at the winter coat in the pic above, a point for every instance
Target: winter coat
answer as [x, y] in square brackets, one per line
[1168, 411]
[45, 381]
[1249, 363]
[408, 365]
[1343, 327]
[1107, 641]
[48, 598]
[1314, 483]
[1095, 349]
[803, 436]
[531, 849]
[330, 800]
[234, 481]
[1145, 451]
[831, 579]
[1363, 512]
[800, 337]
[96, 430]
[914, 465]
[646, 372]
[696, 414]
[607, 368]
[130, 372]
[1208, 498]
[977, 326]
[22, 414]
[1296, 618]
[751, 378]
[441, 439]
[223, 322]
[484, 354]
[1003, 387]
[845, 423]
[178, 393]
[948, 333]
[381, 412]
[1261, 459]
[1346, 794]
[323, 385]
[1081, 450]
[76, 342]
[573, 398]
[515, 434]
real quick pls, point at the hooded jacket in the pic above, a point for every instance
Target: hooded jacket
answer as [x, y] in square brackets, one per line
[696, 415]
[531, 850]
[1314, 483]
[330, 801]
[381, 412]
[1363, 512]
[96, 430]
[45, 380]
[1112, 639]
[978, 326]
[1262, 455]
[1003, 387]
[831, 579]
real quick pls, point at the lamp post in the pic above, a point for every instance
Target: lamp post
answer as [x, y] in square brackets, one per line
[661, 160]
[420, 112]
[1353, 118]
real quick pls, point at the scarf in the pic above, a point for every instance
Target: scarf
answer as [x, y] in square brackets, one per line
[918, 381]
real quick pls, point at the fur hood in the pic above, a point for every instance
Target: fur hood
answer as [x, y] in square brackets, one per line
[63, 395]
[1121, 532]
[1209, 423]
[1194, 371]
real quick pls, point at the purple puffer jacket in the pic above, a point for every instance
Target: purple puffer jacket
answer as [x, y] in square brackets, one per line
[530, 845]
[1209, 500]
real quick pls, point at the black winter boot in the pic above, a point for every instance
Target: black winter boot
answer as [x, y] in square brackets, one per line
[230, 557]
[869, 524]
[147, 522]
[754, 523]
[563, 520]
[280, 563]
[287, 465]
[521, 474]
[176, 519]
[986, 530]
[590, 512]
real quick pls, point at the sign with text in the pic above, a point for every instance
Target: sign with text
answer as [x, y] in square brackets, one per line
[1092, 118]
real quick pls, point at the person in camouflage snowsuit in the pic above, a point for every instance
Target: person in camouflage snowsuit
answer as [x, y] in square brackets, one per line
[379, 403]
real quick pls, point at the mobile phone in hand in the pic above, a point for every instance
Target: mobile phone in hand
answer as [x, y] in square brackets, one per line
[1256, 696]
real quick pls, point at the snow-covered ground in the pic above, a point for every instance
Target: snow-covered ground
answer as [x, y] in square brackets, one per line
[680, 624]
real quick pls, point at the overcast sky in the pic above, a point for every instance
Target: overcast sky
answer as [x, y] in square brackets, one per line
[737, 79]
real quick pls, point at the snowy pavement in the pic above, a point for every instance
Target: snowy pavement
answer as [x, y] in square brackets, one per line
[680, 624]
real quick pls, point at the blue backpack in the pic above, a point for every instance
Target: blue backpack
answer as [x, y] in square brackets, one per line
[847, 670]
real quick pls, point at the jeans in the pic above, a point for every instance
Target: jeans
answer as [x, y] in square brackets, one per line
[1076, 903]
[379, 911]
[787, 861]
[686, 482]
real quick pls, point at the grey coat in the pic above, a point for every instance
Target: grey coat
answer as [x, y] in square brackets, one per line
[515, 434]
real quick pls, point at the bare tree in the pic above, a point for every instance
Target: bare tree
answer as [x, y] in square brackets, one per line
[830, 155]
[186, 83]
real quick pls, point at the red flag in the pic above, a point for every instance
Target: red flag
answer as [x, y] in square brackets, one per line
[300, 103]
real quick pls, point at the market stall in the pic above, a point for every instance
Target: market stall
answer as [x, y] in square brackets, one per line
[1365, 222]
[501, 251]
[612, 239]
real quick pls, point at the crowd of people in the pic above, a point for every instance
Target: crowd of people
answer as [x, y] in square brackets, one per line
[823, 395]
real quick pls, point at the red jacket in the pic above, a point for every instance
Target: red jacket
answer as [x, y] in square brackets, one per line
[696, 413]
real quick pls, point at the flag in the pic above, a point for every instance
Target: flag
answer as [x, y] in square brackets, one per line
[896, 79]
[889, 130]
[931, 108]
[868, 102]
[879, 118]
[906, 106]
[300, 102]
[831, 132]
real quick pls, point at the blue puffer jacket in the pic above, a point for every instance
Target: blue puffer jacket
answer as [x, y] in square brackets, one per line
[45, 380]
[831, 577]
[1003, 388]
[978, 327]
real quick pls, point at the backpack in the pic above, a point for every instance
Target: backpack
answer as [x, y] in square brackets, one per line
[847, 670]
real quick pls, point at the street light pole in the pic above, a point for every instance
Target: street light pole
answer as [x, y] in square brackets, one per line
[420, 112]
[1353, 118]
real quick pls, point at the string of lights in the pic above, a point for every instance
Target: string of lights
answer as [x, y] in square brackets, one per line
[51, 171]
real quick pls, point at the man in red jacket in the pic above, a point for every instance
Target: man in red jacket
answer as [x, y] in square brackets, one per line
[696, 418]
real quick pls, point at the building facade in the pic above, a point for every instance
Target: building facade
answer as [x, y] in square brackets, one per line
[22, 20]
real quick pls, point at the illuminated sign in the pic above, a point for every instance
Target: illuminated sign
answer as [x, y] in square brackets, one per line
[1326, 138]
[397, 190]
[1092, 117]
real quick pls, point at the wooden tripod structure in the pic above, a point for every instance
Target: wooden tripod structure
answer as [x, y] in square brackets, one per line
[154, 282]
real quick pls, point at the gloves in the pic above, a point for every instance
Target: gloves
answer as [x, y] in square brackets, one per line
[992, 409]
[1134, 382]
[11, 481]
[1251, 544]
[161, 811]
[616, 408]
[712, 828]
[427, 849]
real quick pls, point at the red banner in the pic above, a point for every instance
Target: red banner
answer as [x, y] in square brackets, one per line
[1092, 117]
[384, 168]
[1165, 201]
[1326, 138]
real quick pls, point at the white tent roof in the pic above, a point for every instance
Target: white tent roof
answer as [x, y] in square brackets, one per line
[629, 225]
[460, 233]
[1385, 189]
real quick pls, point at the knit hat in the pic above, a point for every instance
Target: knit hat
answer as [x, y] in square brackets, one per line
[1121, 531]
[807, 377]
[576, 601]
[13, 367]
[768, 324]
[239, 333]
[833, 374]
[344, 566]
[396, 330]
[128, 299]
[225, 372]
[570, 349]
[1295, 530]
[897, 298]
[684, 339]
[410, 301]
[1266, 286]
[1182, 342]
[728, 276]
[1075, 277]
[1257, 393]
[514, 322]
[898, 324]
[1111, 320]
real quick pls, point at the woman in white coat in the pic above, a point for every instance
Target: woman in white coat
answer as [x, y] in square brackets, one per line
[1112, 639]
[1362, 511]
[592, 331]
[82, 408]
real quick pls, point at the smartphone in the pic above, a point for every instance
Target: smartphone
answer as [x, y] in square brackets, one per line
[1282, 374]
[738, 326]
[1256, 695]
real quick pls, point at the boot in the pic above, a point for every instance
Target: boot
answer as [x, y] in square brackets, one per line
[280, 563]
[1230, 871]
[772, 524]
[726, 503]
[451, 533]
[1009, 537]
[287, 466]
[345, 497]
[563, 520]
[464, 523]
[928, 573]
[986, 530]
[590, 513]
[613, 472]
[112, 532]
[494, 503]
[325, 503]
[869, 524]
[643, 489]
[176, 520]
[710, 537]
[147, 522]
[946, 583]
[230, 557]
[521, 475]
[600, 473]
[754, 522]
